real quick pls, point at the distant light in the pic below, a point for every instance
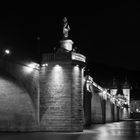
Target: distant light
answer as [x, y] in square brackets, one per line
[137, 110]
[43, 65]
[38, 38]
[37, 66]
[126, 103]
[76, 67]
[7, 51]
[30, 67]
[57, 66]
[33, 65]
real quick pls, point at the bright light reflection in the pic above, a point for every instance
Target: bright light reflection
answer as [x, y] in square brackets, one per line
[57, 76]
[76, 68]
[43, 65]
[7, 51]
[57, 67]
[76, 72]
[57, 73]
[30, 67]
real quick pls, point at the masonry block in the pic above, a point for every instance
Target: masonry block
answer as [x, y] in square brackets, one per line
[116, 113]
[87, 107]
[19, 86]
[109, 111]
[125, 113]
[97, 110]
[61, 94]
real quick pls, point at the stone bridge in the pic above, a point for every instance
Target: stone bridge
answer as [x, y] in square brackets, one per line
[53, 95]
[19, 94]
[100, 106]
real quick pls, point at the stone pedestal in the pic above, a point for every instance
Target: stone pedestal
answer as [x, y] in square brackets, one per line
[61, 92]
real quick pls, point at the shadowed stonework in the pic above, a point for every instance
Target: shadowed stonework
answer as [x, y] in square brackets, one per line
[17, 112]
[61, 93]
[54, 95]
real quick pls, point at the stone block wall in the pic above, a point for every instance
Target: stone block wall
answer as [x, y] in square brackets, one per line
[61, 97]
[45, 99]
[77, 109]
[19, 88]
[109, 111]
[116, 113]
[87, 107]
[97, 112]
[55, 97]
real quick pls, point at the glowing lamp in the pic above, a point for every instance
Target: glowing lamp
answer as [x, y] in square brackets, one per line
[104, 92]
[43, 65]
[7, 51]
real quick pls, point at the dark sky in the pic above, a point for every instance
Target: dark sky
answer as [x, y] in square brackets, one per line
[108, 37]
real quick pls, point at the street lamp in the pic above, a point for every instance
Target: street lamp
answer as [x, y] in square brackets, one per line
[7, 52]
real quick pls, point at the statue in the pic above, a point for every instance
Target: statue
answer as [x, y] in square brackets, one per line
[66, 44]
[66, 28]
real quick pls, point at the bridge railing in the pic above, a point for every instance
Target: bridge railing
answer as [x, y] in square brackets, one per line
[103, 92]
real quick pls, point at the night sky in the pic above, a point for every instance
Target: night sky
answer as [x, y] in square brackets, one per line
[109, 38]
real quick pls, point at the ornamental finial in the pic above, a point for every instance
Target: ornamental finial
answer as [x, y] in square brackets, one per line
[66, 28]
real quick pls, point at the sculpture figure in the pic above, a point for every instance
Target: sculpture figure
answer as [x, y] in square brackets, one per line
[66, 28]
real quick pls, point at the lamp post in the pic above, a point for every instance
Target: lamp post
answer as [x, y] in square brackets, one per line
[5, 52]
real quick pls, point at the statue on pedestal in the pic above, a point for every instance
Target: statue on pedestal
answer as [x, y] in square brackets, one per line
[66, 43]
[66, 28]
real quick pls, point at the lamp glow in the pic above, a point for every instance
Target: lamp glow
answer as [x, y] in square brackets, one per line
[30, 67]
[7, 51]
[43, 65]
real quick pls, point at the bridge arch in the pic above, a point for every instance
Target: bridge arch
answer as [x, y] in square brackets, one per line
[97, 108]
[94, 105]
[16, 108]
[109, 111]
[18, 92]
